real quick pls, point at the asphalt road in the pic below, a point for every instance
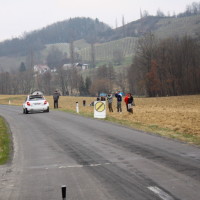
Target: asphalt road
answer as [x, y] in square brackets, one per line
[96, 160]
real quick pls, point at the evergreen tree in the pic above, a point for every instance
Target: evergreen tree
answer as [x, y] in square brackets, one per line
[22, 67]
[88, 83]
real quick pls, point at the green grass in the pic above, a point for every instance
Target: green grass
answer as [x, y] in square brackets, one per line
[5, 142]
[128, 60]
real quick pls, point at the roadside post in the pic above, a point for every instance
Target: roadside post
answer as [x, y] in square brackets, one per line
[63, 190]
[100, 109]
[77, 107]
[84, 102]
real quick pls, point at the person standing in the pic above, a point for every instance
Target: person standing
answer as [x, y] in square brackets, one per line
[126, 101]
[118, 95]
[55, 98]
[110, 100]
[130, 103]
[103, 98]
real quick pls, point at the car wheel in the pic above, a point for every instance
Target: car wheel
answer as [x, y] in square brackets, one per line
[26, 111]
[47, 110]
[23, 111]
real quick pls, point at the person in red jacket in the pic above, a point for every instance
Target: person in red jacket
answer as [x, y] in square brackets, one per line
[126, 101]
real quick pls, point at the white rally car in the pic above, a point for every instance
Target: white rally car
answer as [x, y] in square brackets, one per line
[35, 103]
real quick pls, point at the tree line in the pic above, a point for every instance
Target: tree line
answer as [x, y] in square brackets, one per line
[165, 67]
[69, 82]
[191, 9]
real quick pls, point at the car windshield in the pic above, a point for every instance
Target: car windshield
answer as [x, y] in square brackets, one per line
[36, 98]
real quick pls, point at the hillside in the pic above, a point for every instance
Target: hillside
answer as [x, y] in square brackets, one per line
[105, 51]
[60, 32]
[85, 30]
[162, 27]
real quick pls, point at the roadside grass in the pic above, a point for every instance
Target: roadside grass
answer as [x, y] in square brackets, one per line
[4, 142]
[12, 99]
[155, 129]
[172, 117]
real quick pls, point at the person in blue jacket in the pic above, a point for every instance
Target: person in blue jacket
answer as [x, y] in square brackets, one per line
[118, 95]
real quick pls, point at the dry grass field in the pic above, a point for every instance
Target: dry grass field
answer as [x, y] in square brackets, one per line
[177, 117]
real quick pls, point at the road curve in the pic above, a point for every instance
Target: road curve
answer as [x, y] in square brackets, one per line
[96, 160]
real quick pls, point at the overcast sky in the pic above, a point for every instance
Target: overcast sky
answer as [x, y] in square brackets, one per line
[19, 16]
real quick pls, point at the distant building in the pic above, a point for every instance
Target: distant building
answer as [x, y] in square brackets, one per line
[41, 69]
[85, 66]
[67, 66]
[53, 70]
[76, 65]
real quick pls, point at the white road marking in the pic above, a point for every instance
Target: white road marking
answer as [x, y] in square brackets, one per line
[80, 166]
[163, 195]
[63, 166]
[71, 166]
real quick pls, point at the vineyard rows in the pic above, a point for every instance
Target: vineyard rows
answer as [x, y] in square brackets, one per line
[105, 51]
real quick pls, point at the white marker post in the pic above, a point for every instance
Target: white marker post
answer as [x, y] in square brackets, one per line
[77, 107]
[100, 109]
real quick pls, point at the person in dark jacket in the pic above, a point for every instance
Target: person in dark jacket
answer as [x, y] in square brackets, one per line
[118, 95]
[102, 98]
[130, 102]
[56, 96]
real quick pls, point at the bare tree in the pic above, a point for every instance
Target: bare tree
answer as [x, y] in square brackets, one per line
[123, 26]
[166, 67]
[72, 54]
[145, 14]
[55, 58]
[118, 56]
[116, 24]
[98, 86]
[93, 55]
[46, 79]
[121, 80]
[160, 13]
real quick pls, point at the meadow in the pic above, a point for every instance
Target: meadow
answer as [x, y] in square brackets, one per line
[174, 117]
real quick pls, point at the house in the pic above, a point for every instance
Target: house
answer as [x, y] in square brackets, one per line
[85, 66]
[67, 66]
[41, 69]
[76, 65]
[53, 70]
[82, 66]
